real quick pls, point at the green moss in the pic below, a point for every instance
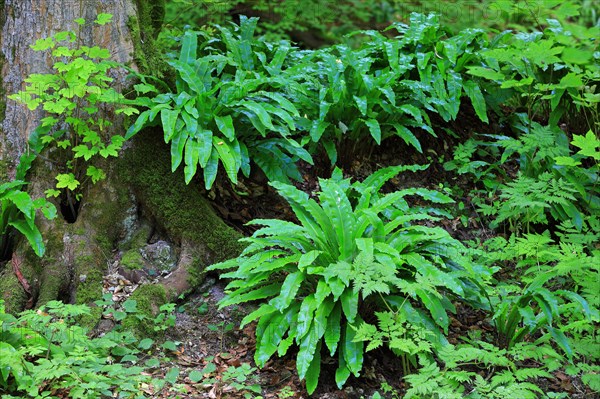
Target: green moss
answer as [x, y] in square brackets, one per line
[2, 62]
[180, 208]
[89, 321]
[132, 260]
[4, 164]
[55, 276]
[144, 31]
[11, 291]
[151, 15]
[150, 298]
[138, 239]
[106, 211]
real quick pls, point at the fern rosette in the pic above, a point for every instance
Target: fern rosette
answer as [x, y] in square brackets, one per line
[352, 252]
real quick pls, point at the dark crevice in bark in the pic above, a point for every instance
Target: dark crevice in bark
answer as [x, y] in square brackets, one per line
[69, 208]
[6, 247]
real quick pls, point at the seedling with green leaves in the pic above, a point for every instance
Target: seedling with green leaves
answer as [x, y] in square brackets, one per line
[44, 351]
[79, 103]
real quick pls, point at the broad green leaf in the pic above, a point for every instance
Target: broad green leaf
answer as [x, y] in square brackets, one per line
[225, 125]
[338, 209]
[361, 103]
[375, 129]
[334, 328]
[589, 145]
[289, 289]
[145, 343]
[486, 73]
[308, 345]
[95, 174]
[189, 44]
[205, 137]
[408, 137]
[352, 351]
[103, 19]
[477, 100]
[43, 44]
[570, 80]
[349, 300]
[177, 145]
[231, 162]
[260, 112]
[263, 310]
[507, 84]
[435, 307]
[310, 214]
[307, 259]
[192, 153]
[196, 376]
[67, 180]
[314, 370]
[168, 119]
[260, 293]
[342, 373]
[272, 326]
[317, 129]
[137, 125]
[562, 341]
[210, 170]
[32, 234]
[305, 317]
[188, 75]
[573, 55]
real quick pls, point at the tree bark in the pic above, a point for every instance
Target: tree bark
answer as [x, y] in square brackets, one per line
[25, 21]
[139, 190]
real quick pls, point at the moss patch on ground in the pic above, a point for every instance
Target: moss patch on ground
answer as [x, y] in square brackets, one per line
[149, 298]
[132, 260]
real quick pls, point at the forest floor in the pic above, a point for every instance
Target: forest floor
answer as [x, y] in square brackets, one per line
[209, 338]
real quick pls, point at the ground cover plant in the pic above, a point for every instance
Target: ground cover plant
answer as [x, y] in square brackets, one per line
[474, 273]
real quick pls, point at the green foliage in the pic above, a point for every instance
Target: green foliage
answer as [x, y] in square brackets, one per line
[524, 15]
[241, 100]
[314, 23]
[534, 302]
[18, 209]
[387, 86]
[551, 74]
[44, 353]
[553, 180]
[77, 100]
[231, 106]
[320, 21]
[349, 251]
[511, 380]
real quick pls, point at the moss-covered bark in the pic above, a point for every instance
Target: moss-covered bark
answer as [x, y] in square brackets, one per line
[145, 28]
[11, 291]
[179, 209]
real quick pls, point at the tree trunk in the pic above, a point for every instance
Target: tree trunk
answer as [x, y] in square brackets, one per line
[141, 220]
